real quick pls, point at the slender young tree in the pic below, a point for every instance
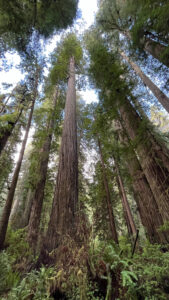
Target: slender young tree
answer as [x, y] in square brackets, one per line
[161, 97]
[7, 209]
[8, 205]
[13, 118]
[125, 203]
[38, 194]
[108, 197]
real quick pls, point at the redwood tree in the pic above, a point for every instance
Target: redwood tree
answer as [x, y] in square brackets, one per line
[8, 204]
[38, 195]
[63, 215]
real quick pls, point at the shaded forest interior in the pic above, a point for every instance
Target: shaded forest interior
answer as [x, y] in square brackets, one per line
[84, 187]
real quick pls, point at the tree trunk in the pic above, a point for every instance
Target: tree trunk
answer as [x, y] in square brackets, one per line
[155, 49]
[153, 159]
[62, 219]
[162, 98]
[6, 133]
[5, 104]
[7, 208]
[152, 47]
[130, 233]
[108, 198]
[125, 203]
[37, 200]
[14, 209]
[27, 210]
[19, 218]
[148, 210]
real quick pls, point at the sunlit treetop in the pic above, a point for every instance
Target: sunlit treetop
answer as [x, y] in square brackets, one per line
[69, 47]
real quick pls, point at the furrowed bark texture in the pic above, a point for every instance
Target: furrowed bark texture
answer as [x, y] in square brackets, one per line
[162, 98]
[8, 205]
[37, 201]
[153, 158]
[147, 206]
[62, 220]
[129, 229]
[20, 213]
[125, 203]
[108, 198]
[27, 211]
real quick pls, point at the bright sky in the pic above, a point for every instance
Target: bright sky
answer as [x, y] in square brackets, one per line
[88, 8]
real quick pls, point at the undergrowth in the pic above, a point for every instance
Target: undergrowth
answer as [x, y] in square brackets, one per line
[101, 271]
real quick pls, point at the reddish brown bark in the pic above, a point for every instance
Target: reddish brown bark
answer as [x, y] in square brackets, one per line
[108, 198]
[153, 158]
[152, 47]
[155, 49]
[6, 132]
[27, 210]
[125, 203]
[38, 196]
[8, 205]
[62, 219]
[161, 97]
[148, 210]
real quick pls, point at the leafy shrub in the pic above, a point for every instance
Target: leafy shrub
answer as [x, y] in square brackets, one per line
[152, 269]
[32, 286]
[18, 247]
[8, 278]
[145, 276]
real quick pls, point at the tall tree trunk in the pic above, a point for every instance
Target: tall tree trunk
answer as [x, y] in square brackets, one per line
[152, 47]
[155, 49]
[5, 104]
[37, 200]
[19, 217]
[148, 210]
[14, 209]
[108, 198]
[7, 208]
[130, 233]
[6, 132]
[162, 98]
[153, 159]
[27, 210]
[62, 219]
[125, 200]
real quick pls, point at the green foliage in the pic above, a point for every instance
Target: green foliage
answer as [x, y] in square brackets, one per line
[33, 285]
[152, 269]
[13, 260]
[69, 47]
[19, 19]
[164, 227]
[18, 248]
[8, 277]
[145, 276]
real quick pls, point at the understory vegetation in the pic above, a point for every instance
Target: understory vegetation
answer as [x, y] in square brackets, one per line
[110, 269]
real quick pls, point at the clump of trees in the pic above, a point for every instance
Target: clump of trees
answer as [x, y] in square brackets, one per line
[85, 207]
